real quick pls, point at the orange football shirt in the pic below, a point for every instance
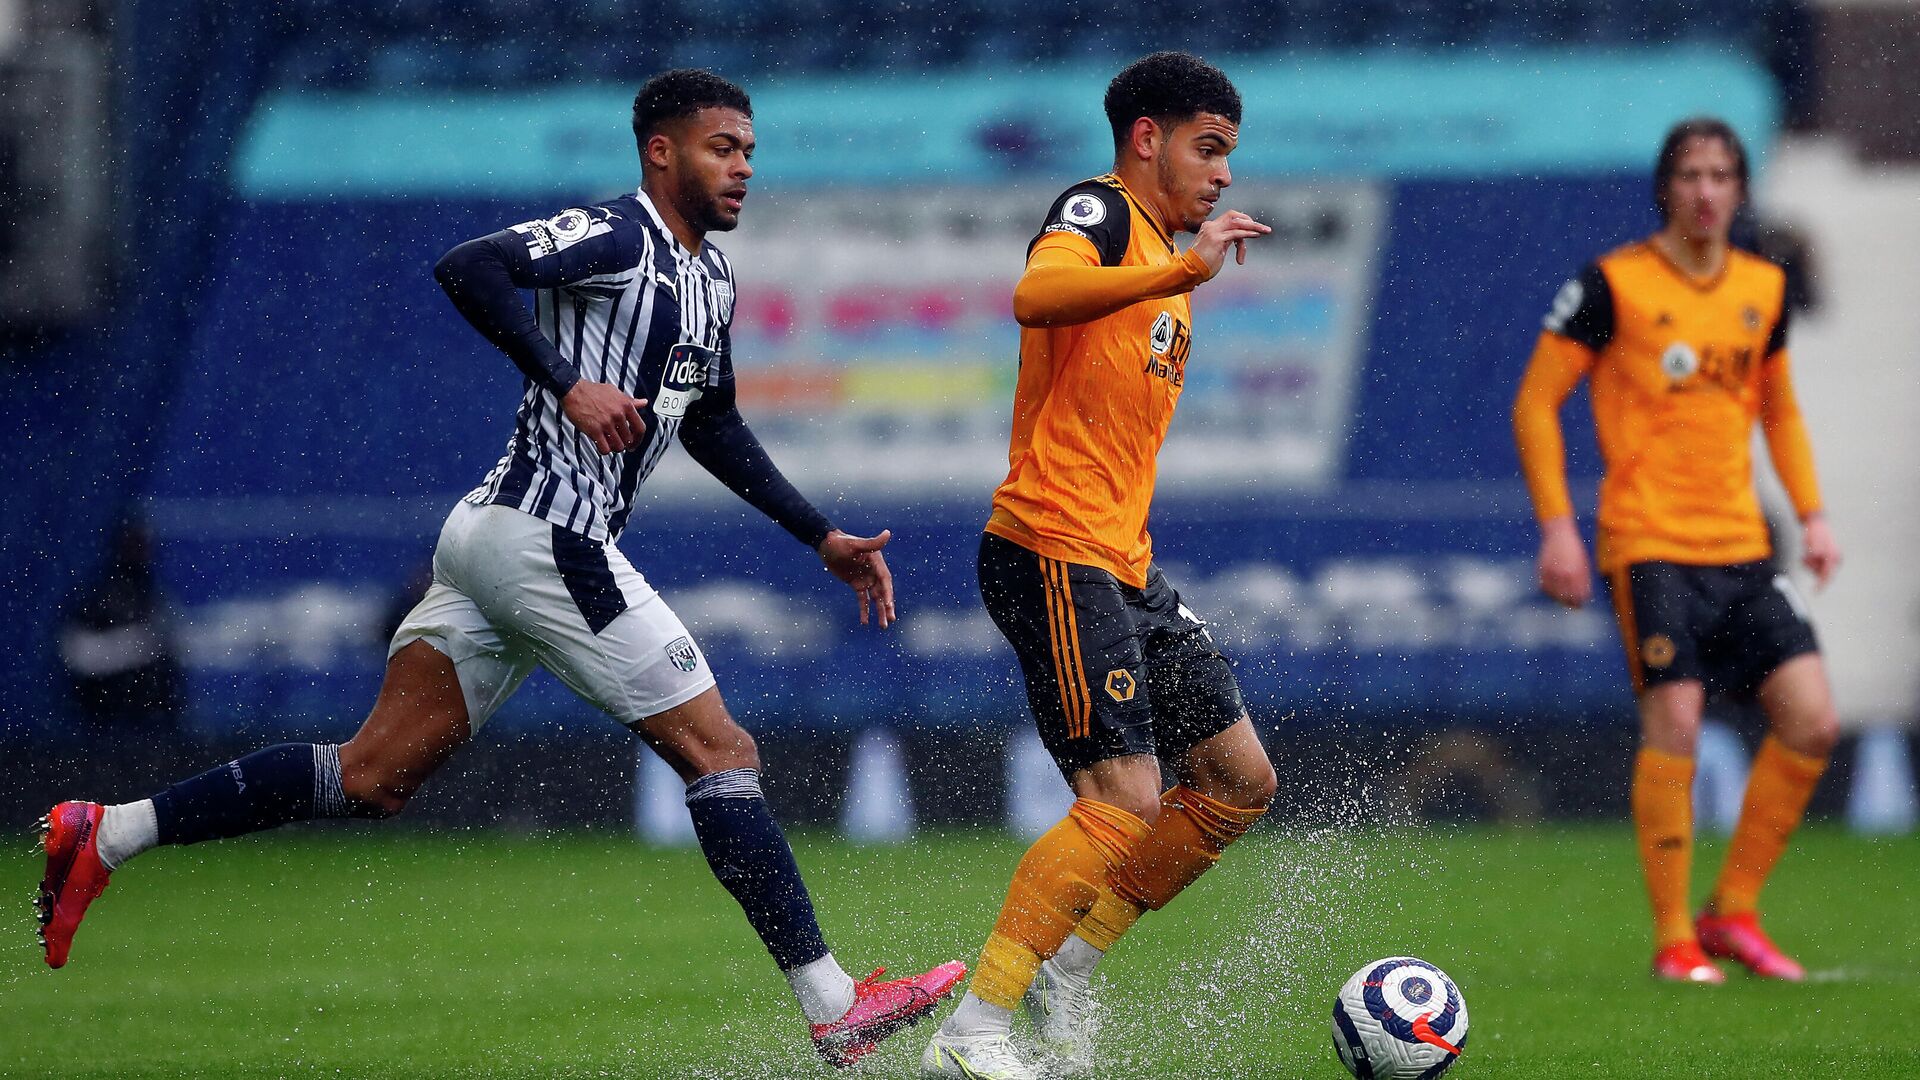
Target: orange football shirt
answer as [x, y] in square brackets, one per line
[1093, 399]
[1681, 368]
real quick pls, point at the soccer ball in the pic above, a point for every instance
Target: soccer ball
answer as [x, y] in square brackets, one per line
[1399, 1019]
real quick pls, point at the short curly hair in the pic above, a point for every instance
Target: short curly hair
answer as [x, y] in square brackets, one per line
[1682, 133]
[1169, 88]
[674, 95]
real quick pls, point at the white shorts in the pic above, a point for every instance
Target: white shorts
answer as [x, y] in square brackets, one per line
[511, 592]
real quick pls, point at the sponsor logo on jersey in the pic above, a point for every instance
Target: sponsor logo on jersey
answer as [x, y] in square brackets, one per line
[1084, 209]
[681, 651]
[1565, 303]
[1121, 685]
[681, 382]
[1657, 651]
[539, 238]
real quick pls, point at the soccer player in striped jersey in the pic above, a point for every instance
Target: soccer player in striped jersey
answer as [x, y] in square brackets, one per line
[625, 349]
[1120, 673]
[1684, 341]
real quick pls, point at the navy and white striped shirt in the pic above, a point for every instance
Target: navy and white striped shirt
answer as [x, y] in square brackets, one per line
[617, 300]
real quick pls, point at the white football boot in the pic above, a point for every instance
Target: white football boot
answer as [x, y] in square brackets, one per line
[1062, 1010]
[975, 1057]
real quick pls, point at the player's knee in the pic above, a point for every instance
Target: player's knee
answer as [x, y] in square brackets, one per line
[1141, 802]
[720, 748]
[1258, 786]
[1817, 735]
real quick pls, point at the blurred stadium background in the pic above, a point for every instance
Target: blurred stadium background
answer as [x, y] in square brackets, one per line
[239, 407]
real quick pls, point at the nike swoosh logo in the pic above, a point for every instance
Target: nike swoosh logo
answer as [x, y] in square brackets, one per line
[1424, 1032]
[965, 1069]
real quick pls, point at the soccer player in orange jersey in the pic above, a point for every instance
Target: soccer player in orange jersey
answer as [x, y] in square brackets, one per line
[1119, 673]
[1683, 338]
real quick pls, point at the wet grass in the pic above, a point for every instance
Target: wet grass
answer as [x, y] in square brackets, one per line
[371, 953]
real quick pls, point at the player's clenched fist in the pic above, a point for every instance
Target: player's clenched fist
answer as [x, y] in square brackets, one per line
[1231, 229]
[606, 415]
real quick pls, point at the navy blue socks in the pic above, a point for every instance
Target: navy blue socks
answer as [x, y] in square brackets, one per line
[281, 784]
[750, 856]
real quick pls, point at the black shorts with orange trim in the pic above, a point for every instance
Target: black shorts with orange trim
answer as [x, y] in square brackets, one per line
[1111, 670]
[1727, 627]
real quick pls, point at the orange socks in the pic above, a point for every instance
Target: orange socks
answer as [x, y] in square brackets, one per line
[1663, 822]
[1778, 788]
[1184, 843]
[1053, 888]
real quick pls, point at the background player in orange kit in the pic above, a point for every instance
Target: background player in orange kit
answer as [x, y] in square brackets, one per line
[1684, 339]
[1117, 669]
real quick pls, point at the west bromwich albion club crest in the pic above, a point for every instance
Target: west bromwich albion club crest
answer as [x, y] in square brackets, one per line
[680, 650]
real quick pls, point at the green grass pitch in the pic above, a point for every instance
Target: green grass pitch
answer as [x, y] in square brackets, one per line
[381, 953]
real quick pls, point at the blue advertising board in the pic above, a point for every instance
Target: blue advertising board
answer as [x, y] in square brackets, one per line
[1340, 501]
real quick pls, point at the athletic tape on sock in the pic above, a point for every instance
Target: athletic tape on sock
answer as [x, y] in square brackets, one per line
[329, 797]
[729, 784]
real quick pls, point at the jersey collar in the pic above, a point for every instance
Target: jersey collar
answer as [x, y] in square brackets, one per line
[1165, 237]
[1699, 284]
[653, 212]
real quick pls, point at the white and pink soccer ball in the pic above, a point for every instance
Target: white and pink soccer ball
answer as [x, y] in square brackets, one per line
[1399, 1019]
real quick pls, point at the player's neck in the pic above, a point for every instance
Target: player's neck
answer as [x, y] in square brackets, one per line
[1699, 258]
[670, 216]
[1143, 185]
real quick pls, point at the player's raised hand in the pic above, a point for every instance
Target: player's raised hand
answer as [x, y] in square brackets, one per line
[1565, 574]
[1822, 554]
[857, 561]
[605, 414]
[1231, 229]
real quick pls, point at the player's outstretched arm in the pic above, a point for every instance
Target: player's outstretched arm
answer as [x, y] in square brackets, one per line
[1065, 283]
[718, 438]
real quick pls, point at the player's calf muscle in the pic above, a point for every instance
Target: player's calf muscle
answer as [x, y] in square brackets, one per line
[418, 721]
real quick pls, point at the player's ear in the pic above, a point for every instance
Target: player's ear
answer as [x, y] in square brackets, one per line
[1145, 139]
[658, 151]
